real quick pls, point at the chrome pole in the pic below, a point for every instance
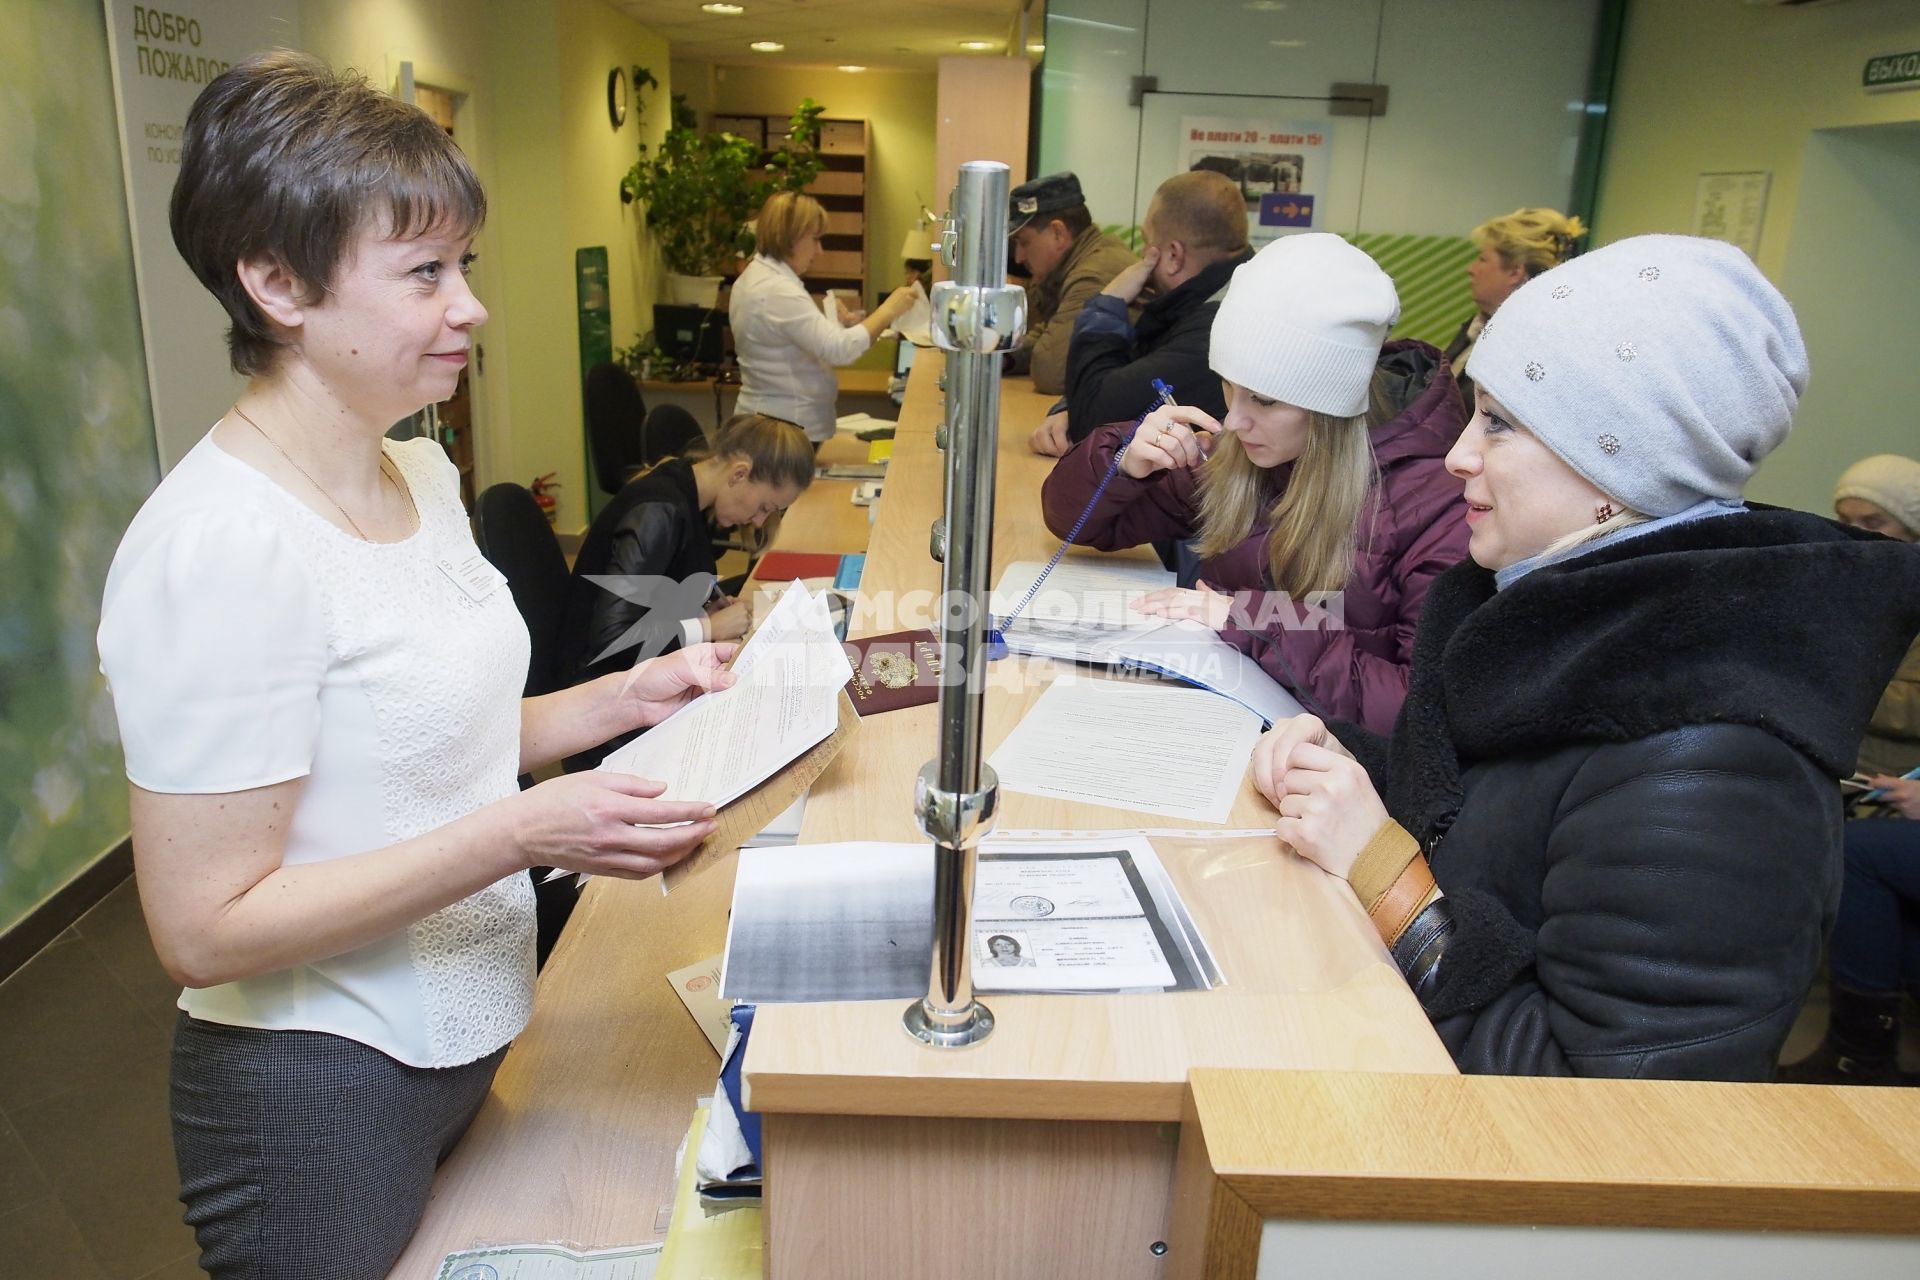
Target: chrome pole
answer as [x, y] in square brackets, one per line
[976, 316]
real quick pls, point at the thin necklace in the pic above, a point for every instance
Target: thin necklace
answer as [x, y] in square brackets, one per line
[320, 489]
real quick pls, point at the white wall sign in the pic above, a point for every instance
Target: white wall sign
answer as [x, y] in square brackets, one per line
[163, 56]
[1731, 207]
[1282, 167]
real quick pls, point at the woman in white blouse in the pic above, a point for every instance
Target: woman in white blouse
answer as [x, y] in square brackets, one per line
[787, 347]
[318, 686]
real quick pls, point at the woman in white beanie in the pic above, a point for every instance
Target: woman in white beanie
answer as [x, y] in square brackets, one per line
[1605, 837]
[1319, 506]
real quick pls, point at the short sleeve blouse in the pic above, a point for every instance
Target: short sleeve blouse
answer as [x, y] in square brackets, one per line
[248, 642]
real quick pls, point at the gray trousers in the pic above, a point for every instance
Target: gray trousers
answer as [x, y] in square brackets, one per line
[304, 1154]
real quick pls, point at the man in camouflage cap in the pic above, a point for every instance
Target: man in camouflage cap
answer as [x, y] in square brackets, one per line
[1071, 261]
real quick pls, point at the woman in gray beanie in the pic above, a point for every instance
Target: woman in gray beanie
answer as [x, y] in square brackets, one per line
[1604, 838]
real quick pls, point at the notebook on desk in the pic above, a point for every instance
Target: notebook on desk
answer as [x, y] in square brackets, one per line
[1084, 612]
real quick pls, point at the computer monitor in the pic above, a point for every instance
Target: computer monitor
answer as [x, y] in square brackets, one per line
[693, 335]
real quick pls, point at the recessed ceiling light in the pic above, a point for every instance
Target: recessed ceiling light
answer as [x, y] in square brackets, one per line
[725, 10]
[1288, 44]
[766, 46]
[851, 66]
[976, 44]
[1264, 6]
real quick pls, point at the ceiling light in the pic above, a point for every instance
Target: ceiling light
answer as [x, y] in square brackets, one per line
[851, 66]
[1264, 6]
[725, 10]
[976, 44]
[1288, 44]
[766, 46]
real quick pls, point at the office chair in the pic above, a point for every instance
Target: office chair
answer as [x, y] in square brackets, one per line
[514, 536]
[616, 419]
[516, 539]
[668, 430]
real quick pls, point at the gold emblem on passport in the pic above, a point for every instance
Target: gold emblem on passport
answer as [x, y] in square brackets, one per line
[894, 670]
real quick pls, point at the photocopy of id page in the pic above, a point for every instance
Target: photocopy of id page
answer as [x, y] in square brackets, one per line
[1154, 748]
[720, 746]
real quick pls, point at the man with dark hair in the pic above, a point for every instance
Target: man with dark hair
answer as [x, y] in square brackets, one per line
[1071, 261]
[1196, 232]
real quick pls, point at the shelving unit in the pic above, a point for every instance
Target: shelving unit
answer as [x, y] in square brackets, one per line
[840, 187]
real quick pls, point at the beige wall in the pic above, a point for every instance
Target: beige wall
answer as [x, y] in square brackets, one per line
[555, 189]
[899, 109]
[1711, 85]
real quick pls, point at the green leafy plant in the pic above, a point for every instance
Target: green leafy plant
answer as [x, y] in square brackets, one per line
[701, 189]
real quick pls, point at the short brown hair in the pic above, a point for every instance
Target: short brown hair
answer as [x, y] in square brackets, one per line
[284, 157]
[1203, 210]
[786, 219]
[778, 451]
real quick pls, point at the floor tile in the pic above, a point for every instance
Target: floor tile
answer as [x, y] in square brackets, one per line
[106, 1150]
[68, 1023]
[187, 1268]
[20, 1180]
[117, 933]
[41, 1241]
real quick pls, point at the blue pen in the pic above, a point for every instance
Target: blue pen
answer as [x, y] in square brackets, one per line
[1877, 792]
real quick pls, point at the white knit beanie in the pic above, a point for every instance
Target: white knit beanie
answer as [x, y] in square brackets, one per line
[1302, 323]
[1887, 480]
[1661, 368]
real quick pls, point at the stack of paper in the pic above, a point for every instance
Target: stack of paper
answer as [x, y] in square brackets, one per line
[1149, 747]
[787, 699]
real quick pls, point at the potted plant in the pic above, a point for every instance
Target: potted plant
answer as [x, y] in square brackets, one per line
[701, 191]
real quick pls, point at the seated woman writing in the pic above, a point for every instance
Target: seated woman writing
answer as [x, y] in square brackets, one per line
[646, 579]
[787, 346]
[1320, 506]
[1605, 836]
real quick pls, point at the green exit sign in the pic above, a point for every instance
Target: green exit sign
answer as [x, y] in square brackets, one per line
[1892, 71]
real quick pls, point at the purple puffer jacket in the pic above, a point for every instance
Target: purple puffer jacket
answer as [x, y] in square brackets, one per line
[1413, 530]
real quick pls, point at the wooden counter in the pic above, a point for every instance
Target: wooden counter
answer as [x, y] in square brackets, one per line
[1055, 1139]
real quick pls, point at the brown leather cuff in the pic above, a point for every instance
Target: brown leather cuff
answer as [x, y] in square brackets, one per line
[1395, 909]
[1381, 861]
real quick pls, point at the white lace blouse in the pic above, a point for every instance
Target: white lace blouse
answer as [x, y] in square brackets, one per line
[248, 642]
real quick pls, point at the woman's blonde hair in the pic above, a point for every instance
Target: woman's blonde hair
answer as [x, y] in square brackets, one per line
[778, 452]
[786, 219]
[1535, 239]
[1313, 525]
[1592, 533]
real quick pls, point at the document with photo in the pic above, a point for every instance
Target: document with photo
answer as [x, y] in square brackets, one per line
[854, 921]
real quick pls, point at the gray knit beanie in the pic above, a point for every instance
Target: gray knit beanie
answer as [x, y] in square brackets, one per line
[1302, 323]
[1661, 368]
[1887, 480]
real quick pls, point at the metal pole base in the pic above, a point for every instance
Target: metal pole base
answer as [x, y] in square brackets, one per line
[973, 1024]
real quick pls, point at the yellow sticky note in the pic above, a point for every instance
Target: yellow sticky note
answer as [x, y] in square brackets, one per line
[879, 451]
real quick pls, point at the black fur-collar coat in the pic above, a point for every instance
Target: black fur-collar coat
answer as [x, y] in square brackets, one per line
[1622, 768]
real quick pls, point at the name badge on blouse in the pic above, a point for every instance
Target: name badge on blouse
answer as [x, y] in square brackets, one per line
[474, 576]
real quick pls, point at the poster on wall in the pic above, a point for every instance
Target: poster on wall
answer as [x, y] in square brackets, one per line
[1731, 207]
[162, 57]
[1282, 167]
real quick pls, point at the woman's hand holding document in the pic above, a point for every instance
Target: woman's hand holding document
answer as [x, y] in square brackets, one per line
[785, 700]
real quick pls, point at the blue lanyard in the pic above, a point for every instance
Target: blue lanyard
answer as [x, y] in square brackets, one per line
[996, 635]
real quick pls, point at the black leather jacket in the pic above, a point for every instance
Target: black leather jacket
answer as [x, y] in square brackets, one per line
[1621, 767]
[654, 532]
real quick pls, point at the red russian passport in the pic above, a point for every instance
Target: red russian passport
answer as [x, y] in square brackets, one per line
[899, 669]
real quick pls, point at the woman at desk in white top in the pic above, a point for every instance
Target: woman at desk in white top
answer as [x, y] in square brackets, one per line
[318, 687]
[1604, 838]
[788, 348]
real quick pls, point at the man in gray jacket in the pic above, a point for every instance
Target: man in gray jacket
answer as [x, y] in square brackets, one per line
[1071, 261]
